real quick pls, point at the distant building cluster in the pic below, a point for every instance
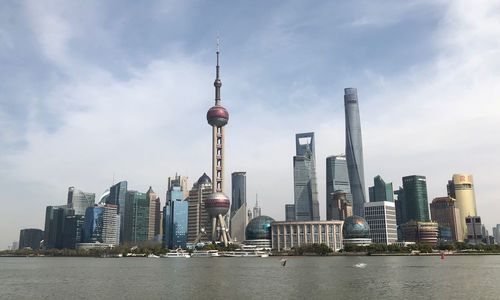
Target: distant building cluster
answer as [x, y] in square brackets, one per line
[204, 214]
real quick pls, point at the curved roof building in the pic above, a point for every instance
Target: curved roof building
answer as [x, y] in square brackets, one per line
[356, 231]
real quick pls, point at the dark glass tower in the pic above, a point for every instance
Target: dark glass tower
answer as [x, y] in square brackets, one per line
[337, 178]
[415, 198]
[238, 191]
[381, 191]
[354, 150]
[304, 177]
[117, 195]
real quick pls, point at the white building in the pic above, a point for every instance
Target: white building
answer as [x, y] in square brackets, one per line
[381, 217]
[288, 234]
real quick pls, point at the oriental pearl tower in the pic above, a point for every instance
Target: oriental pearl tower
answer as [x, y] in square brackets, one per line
[217, 203]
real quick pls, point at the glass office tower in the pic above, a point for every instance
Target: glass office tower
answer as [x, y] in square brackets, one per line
[176, 219]
[354, 150]
[117, 196]
[415, 198]
[79, 200]
[337, 179]
[381, 191]
[136, 217]
[304, 175]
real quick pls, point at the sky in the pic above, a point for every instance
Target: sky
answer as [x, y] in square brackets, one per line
[93, 92]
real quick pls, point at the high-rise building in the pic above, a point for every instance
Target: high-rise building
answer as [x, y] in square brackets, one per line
[79, 201]
[496, 234]
[111, 225]
[117, 196]
[175, 217]
[154, 216]
[238, 190]
[93, 224]
[381, 191]
[257, 211]
[136, 217]
[400, 211]
[239, 216]
[54, 226]
[338, 207]
[199, 225]
[474, 230]
[461, 188]
[337, 177]
[445, 212]
[415, 198]
[73, 231]
[304, 178]
[218, 203]
[354, 150]
[381, 217]
[180, 181]
[30, 238]
[289, 212]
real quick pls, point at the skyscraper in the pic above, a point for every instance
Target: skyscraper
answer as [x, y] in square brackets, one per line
[54, 225]
[257, 211]
[461, 188]
[111, 225]
[354, 150]
[93, 224]
[445, 212]
[136, 217]
[290, 212]
[199, 225]
[415, 197]
[79, 201]
[337, 177]
[176, 216]
[154, 215]
[238, 190]
[304, 177]
[338, 207]
[239, 216]
[117, 195]
[73, 230]
[30, 238]
[381, 217]
[381, 191]
[218, 203]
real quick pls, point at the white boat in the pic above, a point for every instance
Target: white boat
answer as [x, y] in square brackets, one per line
[153, 256]
[176, 255]
[208, 253]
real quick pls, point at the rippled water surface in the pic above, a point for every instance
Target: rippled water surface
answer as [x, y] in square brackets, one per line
[468, 277]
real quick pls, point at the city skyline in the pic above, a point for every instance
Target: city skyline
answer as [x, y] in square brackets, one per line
[104, 98]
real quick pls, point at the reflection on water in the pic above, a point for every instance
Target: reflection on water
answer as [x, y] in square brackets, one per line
[251, 278]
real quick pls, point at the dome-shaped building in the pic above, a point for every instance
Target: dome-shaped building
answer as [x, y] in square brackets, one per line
[204, 180]
[356, 231]
[258, 232]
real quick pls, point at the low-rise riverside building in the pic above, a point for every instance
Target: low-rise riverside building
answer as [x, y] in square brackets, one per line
[288, 234]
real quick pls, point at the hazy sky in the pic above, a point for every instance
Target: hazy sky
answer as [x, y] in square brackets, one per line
[89, 89]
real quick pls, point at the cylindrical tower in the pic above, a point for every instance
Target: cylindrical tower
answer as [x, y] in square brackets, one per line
[461, 188]
[218, 203]
[354, 151]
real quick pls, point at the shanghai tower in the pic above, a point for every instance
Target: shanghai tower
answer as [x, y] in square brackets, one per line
[354, 150]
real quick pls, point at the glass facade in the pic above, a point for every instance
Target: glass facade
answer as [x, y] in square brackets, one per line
[93, 225]
[259, 228]
[136, 217]
[381, 191]
[73, 230]
[415, 198]
[79, 201]
[176, 219]
[354, 150]
[117, 196]
[337, 179]
[304, 177]
[54, 226]
[238, 190]
[30, 238]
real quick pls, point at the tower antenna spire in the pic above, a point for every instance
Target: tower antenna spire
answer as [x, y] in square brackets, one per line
[217, 82]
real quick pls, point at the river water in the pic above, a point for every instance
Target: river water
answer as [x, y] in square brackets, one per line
[463, 277]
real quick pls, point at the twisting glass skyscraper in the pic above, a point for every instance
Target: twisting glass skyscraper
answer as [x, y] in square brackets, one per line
[354, 150]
